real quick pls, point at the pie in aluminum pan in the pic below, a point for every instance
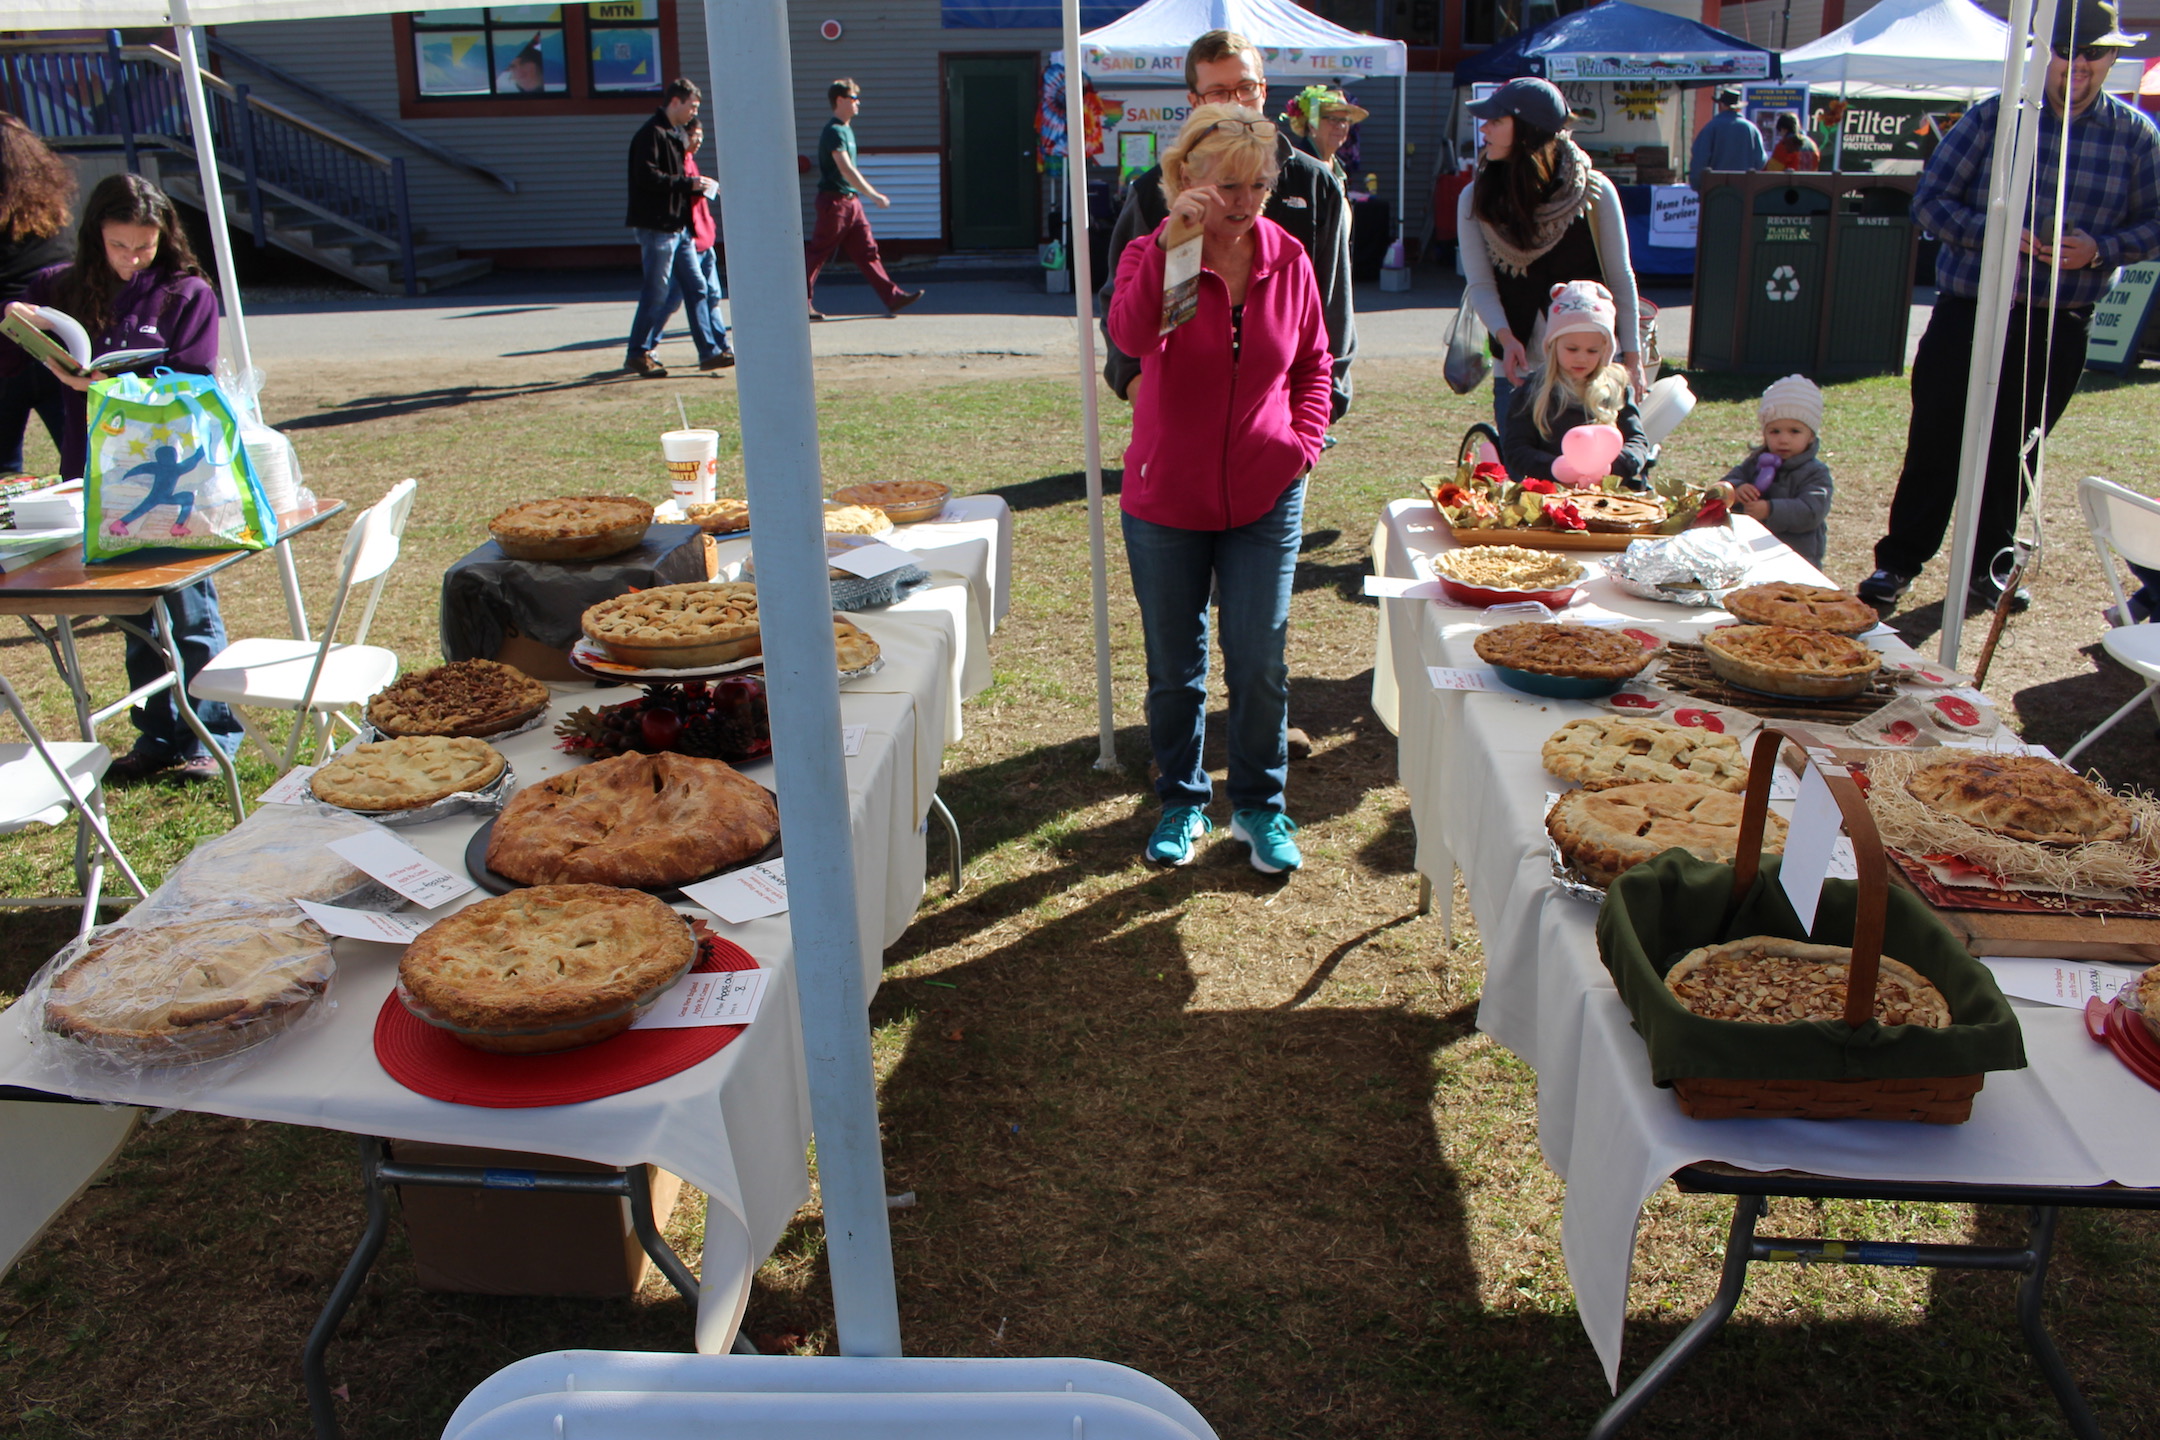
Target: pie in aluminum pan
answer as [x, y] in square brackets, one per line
[1766, 980]
[904, 502]
[545, 969]
[572, 527]
[855, 649]
[464, 697]
[719, 517]
[647, 821]
[1803, 607]
[1604, 832]
[177, 993]
[2025, 797]
[1620, 514]
[1600, 752]
[677, 627]
[856, 520]
[406, 773]
[1780, 660]
[1584, 652]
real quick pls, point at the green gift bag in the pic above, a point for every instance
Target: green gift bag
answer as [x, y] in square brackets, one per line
[166, 468]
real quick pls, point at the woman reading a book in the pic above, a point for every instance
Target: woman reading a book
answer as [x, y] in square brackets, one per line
[1232, 414]
[135, 285]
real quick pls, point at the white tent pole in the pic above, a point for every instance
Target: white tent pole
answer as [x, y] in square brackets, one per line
[750, 65]
[2012, 167]
[1083, 260]
[1402, 150]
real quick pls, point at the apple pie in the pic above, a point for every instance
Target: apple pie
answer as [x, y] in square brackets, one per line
[2024, 797]
[406, 773]
[1604, 832]
[677, 627]
[904, 502]
[572, 527]
[719, 517]
[464, 697]
[649, 821]
[1781, 660]
[1766, 980]
[1584, 652]
[1610, 514]
[545, 969]
[2147, 997]
[856, 520]
[1803, 607]
[1600, 752]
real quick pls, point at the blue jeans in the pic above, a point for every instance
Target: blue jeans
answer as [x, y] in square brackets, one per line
[715, 292]
[33, 389]
[1249, 570]
[1503, 396]
[669, 257]
[200, 631]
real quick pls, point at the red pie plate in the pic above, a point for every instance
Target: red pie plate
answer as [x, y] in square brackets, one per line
[434, 1063]
[2116, 1026]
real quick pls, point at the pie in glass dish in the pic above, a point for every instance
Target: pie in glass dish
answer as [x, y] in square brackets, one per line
[677, 627]
[856, 520]
[1780, 660]
[719, 517]
[406, 773]
[1604, 751]
[545, 969]
[2023, 797]
[1604, 832]
[1583, 652]
[642, 821]
[464, 697]
[176, 993]
[571, 527]
[904, 502]
[1767, 980]
[1803, 607]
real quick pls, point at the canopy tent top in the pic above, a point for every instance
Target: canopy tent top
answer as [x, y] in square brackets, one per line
[1948, 44]
[1150, 43]
[1620, 41]
[117, 14]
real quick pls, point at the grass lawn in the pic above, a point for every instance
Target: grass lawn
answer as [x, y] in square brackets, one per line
[1242, 1134]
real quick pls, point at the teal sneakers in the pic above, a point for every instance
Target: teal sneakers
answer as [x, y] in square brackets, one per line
[1171, 844]
[1268, 832]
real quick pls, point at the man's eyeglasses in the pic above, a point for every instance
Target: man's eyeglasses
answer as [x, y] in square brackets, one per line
[1248, 93]
[2090, 54]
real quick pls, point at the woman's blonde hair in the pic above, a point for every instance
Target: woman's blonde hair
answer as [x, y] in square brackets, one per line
[1220, 142]
[1600, 397]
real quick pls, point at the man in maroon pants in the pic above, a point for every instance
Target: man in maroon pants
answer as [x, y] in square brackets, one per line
[841, 224]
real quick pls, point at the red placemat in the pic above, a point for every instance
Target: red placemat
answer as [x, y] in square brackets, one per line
[435, 1063]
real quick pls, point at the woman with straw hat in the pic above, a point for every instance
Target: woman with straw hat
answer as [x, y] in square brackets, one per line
[1320, 119]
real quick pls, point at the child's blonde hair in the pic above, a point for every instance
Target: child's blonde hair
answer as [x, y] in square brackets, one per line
[1599, 397]
[1229, 143]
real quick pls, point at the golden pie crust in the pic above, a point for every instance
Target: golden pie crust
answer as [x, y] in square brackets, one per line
[856, 520]
[464, 697]
[1766, 980]
[571, 527]
[1603, 751]
[904, 502]
[406, 773]
[1586, 652]
[1602, 833]
[2148, 999]
[677, 627]
[649, 821]
[185, 991]
[719, 517]
[1620, 514]
[2026, 797]
[1803, 607]
[1782, 660]
[855, 649]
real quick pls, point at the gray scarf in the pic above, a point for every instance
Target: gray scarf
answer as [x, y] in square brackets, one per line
[1570, 198]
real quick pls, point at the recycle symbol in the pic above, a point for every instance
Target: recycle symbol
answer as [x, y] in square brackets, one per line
[1791, 290]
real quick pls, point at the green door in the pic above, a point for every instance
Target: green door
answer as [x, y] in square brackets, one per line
[990, 129]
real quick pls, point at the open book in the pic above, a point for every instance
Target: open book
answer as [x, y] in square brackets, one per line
[67, 344]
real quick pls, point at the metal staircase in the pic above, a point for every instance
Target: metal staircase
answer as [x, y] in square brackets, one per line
[288, 182]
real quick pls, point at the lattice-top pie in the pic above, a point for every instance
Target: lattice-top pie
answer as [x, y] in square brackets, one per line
[904, 502]
[1604, 832]
[1803, 607]
[2026, 797]
[545, 969]
[1584, 651]
[571, 527]
[1766, 980]
[1810, 664]
[856, 520]
[464, 697]
[406, 773]
[719, 517]
[1600, 752]
[1620, 514]
[652, 821]
[673, 627]
[180, 992]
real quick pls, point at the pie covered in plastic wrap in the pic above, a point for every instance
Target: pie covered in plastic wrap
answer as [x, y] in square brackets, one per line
[1604, 832]
[2025, 797]
[571, 527]
[1602, 751]
[1803, 607]
[1586, 652]
[677, 627]
[406, 773]
[186, 990]
[1767, 980]
[719, 517]
[651, 821]
[904, 502]
[1782, 660]
[464, 697]
[856, 520]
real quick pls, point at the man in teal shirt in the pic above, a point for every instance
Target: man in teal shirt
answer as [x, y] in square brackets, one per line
[841, 223]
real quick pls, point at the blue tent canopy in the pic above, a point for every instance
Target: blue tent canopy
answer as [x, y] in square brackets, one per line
[1619, 41]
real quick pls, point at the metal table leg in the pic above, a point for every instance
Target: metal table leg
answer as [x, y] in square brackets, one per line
[1747, 1211]
[184, 703]
[952, 834]
[2031, 1294]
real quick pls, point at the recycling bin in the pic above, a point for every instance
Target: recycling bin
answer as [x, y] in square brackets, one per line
[1803, 273]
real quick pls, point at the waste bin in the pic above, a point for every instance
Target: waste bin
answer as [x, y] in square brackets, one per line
[1807, 273]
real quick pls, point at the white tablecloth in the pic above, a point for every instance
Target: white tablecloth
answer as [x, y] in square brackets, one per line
[1470, 762]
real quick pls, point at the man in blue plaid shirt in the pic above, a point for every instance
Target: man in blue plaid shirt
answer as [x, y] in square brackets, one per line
[2111, 218]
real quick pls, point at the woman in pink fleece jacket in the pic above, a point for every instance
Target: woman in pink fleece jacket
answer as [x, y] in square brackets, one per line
[1228, 417]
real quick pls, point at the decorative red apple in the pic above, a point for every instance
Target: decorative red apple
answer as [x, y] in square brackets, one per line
[1631, 700]
[1900, 732]
[1699, 720]
[1958, 711]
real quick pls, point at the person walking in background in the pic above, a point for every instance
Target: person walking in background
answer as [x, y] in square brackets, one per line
[37, 194]
[662, 190]
[841, 223]
[1230, 416]
[1795, 149]
[704, 236]
[1784, 482]
[2111, 218]
[1729, 142]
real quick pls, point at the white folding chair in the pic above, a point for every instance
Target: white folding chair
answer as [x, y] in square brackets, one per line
[2125, 526]
[318, 680]
[40, 782]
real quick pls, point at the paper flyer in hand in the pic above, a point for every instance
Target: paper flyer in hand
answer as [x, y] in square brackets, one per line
[1181, 276]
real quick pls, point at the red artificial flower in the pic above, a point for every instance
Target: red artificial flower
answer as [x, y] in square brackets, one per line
[1450, 494]
[1541, 487]
[1492, 472]
[1563, 515]
[1713, 512]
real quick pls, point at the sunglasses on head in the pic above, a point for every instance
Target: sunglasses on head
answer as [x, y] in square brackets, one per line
[1265, 129]
[2090, 54]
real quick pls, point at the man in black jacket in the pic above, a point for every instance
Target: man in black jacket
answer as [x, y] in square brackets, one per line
[661, 194]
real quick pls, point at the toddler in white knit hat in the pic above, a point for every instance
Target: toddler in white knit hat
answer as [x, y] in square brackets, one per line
[1784, 482]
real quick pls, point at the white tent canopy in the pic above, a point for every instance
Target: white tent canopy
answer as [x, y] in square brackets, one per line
[1150, 43]
[1946, 44]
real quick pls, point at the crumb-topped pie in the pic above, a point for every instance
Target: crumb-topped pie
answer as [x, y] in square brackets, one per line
[1803, 607]
[571, 527]
[651, 821]
[904, 502]
[1583, 651]
[176, 993]
[1602, 751]
[464, 697]
[2025, 797]
[856, 520]
[545, 969]
[406, 773]
[1767, 980]
[677, 627]
[1604, 832]
[1609, 514]
[719, 517]
[1780, 660]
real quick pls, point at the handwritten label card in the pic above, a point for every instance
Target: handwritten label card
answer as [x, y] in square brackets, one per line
[404, 869]
[1445, 677]
[741, 896]
[713, 997]
[1816, 822]
[871, 561]
[1398, 587]
[364, 924]
[851, 738]
[2059, 982]
[291, 787]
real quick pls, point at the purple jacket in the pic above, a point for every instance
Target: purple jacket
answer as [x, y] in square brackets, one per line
[1216, 440]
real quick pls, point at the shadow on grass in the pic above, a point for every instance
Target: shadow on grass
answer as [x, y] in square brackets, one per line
[1049, 491]
[420, 402]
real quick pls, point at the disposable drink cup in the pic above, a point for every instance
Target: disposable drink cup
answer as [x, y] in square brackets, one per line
[693, 462]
